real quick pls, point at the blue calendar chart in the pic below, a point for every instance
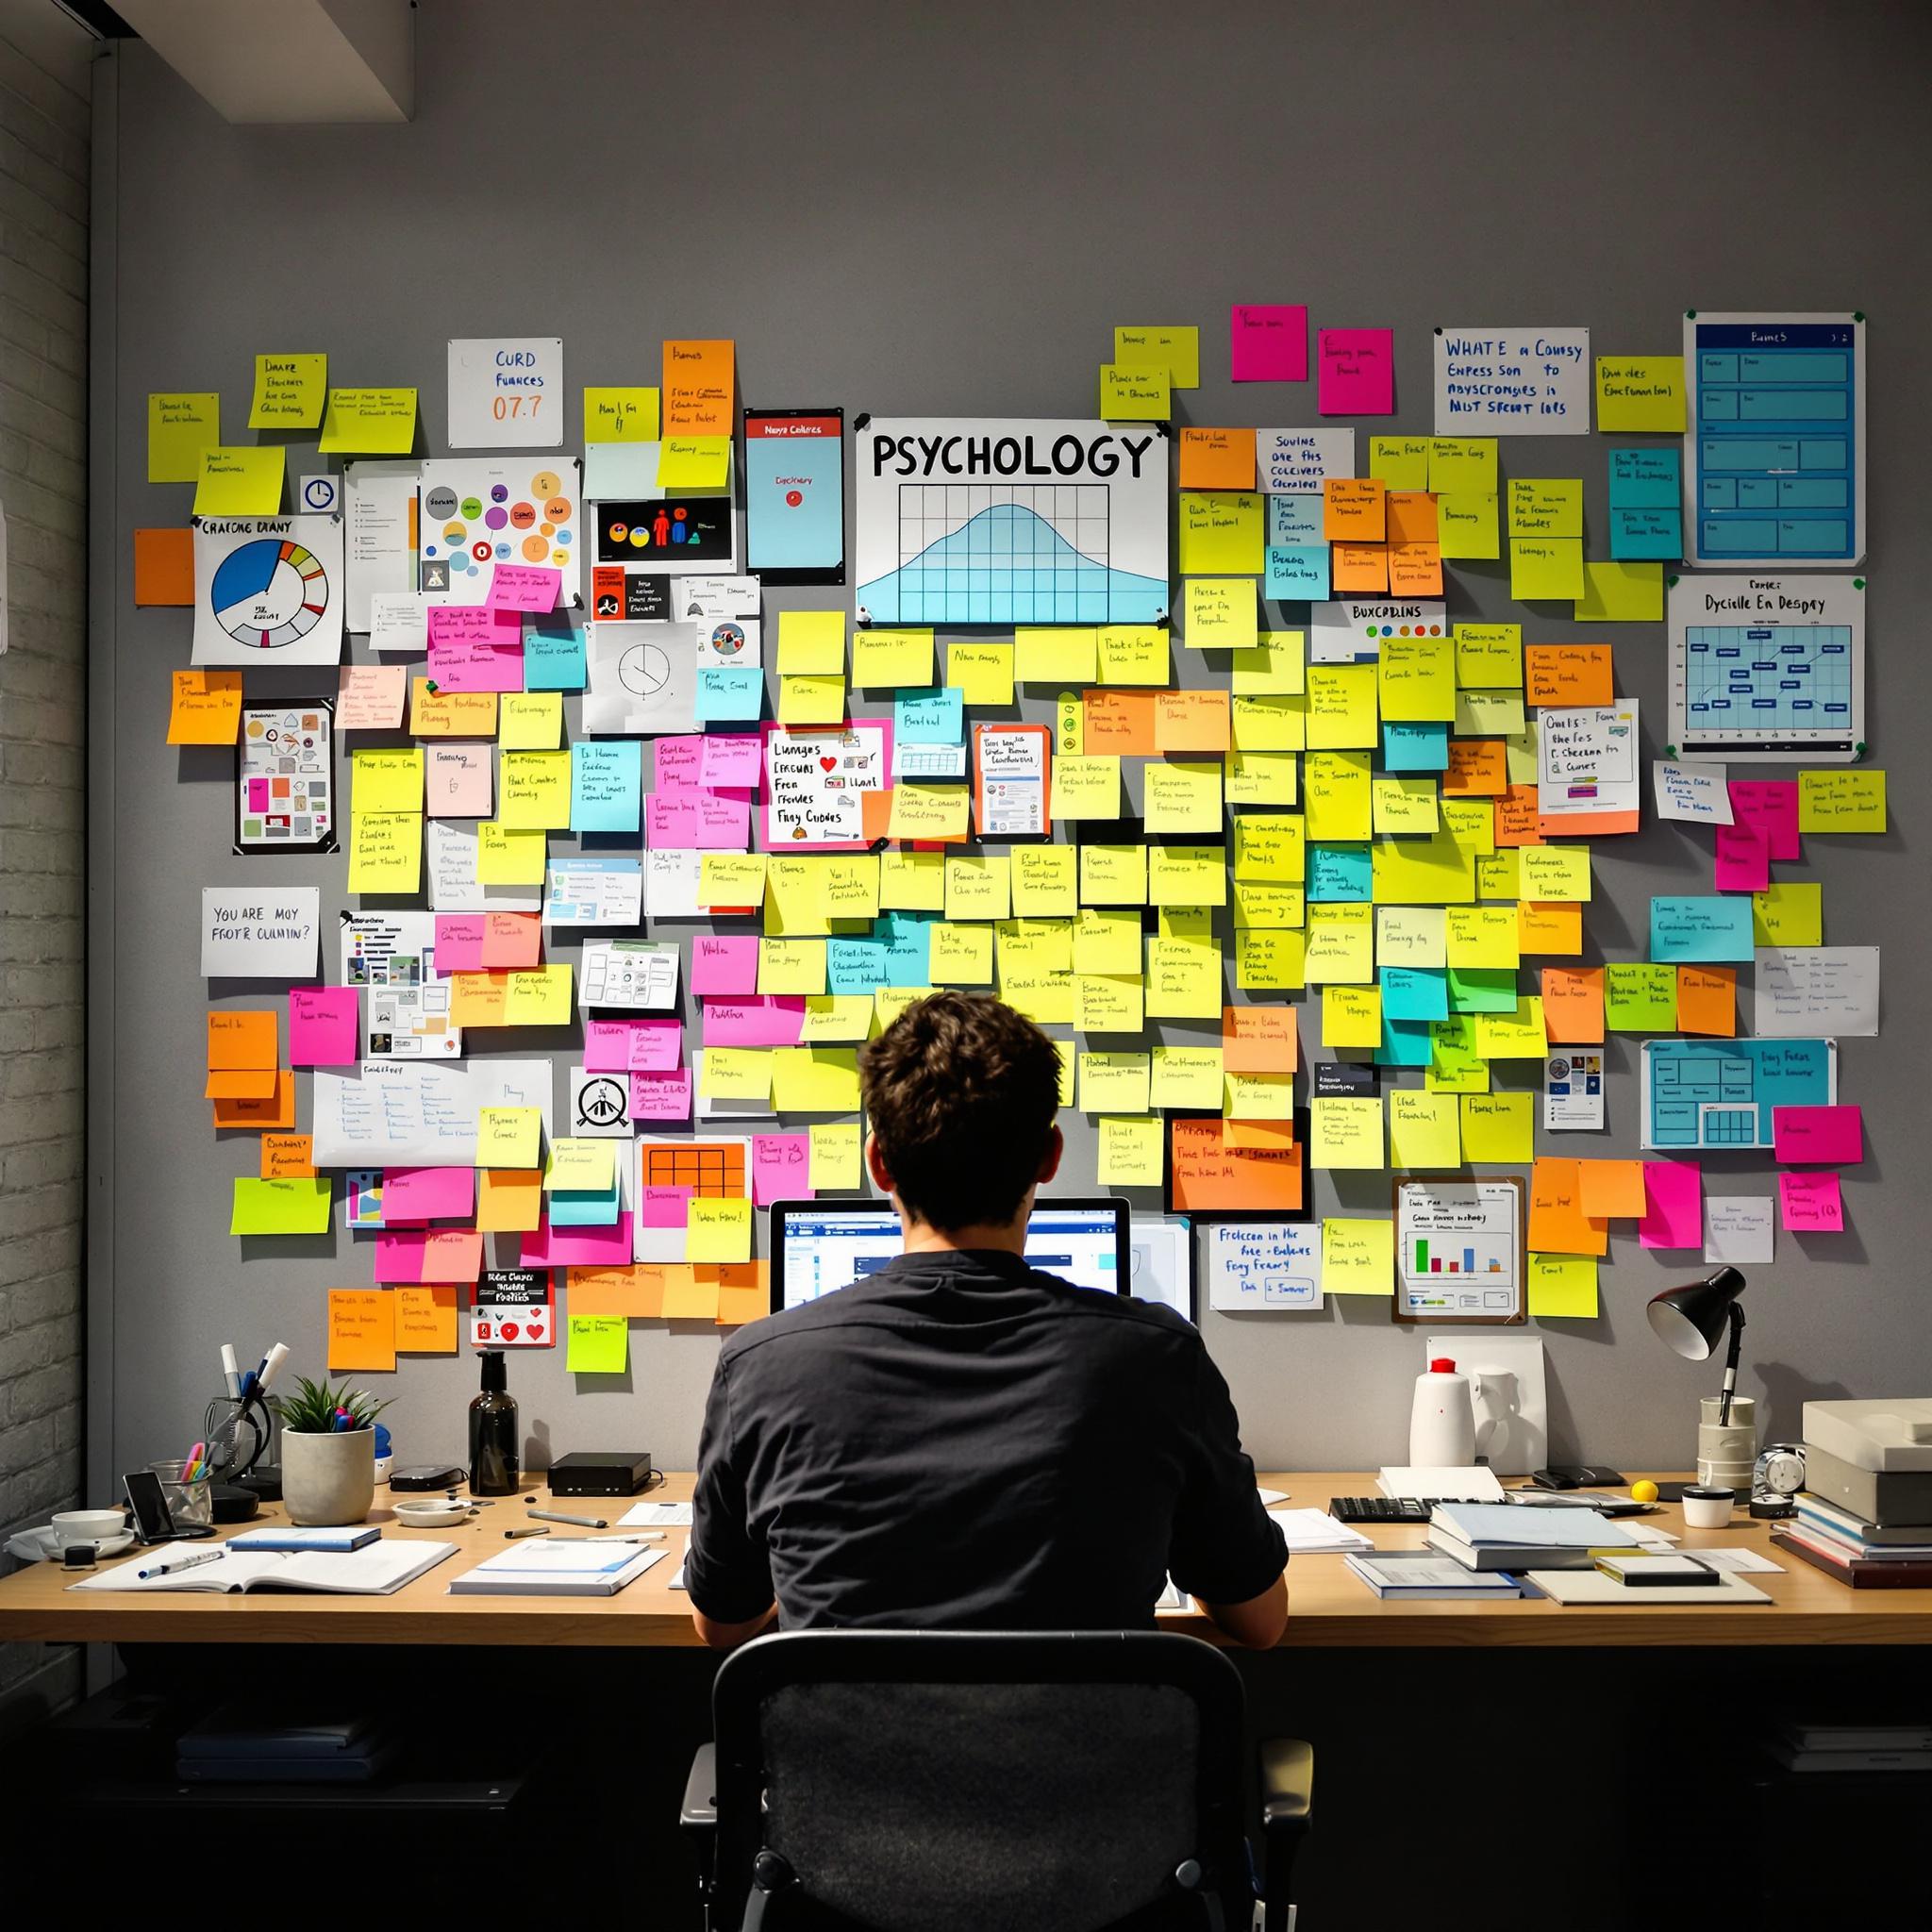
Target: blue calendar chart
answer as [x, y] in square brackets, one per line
[1719, 1094]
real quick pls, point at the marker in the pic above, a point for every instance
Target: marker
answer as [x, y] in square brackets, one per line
[649, 1536]
[180, 1563]
[272, 1365]
[231, 1371]
[581, 1522]
[510, 1536]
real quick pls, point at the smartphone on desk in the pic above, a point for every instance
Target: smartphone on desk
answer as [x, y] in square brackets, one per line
[153, 1522]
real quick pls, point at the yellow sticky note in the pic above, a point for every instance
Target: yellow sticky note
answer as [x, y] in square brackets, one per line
[289, 392]
[1045, 881]
[1261, 778]
[1187, 875]
[1340, 795]
[1415, 681]
[1554, 872]
[978, 885]
[982, 674]
[1341, 944]
[831, 1017]
[1180, 795]
[1499, 1127]
[575, 1166]
[1425, 1131]
[1045, 654]
[811, 642]
[700, 464]
[180, 426]
[529, 719]
[834, 1155]
[1404, 803]
[622, 414]
[1131, 1151]
[815, 1079]
[902, 659]
[1128, 394]
[1086, 788]
[1221, 530]
[384, 851]
[736, 1072]
[509, 1136]
[451, 713]
[369, 423]
[1468, 525]
[928, 812]
[1563, 1286]
[1271, 847]
[960, 953]
[731, 878]
[718, 1229]
[538, 995]
[1186, 1076]
[1516, 1036]
[1342, 707]
[792, 966]
[1359, 1257]
[1847, 801]
[1546, 569]
[1411, 936]
[1131, 654]
[1483, 936]
[1269, 960]
[387, 779]
[1344, 1132]
[1401, 461]
[1489, 656]
[1276, 664]
[511, 854]
[535, 790]
[1269, 722]
[1183, 979]
[1642, 392]
[1351, 1016]
[1113, 874]
[596, 1345]
[1622, 593]
[1171, 348]
[289, 1207]
[1114, 1082]
[813, 700]
[1788, 914]
[1220, 614]
[912, 881]
[1462, 463]
[238, 480]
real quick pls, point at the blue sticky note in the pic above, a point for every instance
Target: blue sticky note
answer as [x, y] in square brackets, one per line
[1646, 479]
[1484, 989]
[1704, 928]
[607, 785]
[586, 1206]
[908, 951]
[1414, 992]
[730, 693]
[855, 965]
[929, 717]
[1646, 533]
[1415, 748]
[1296, 571]
[1339, 873]
[1295, 521]
[1404, 1043]
[554, 653]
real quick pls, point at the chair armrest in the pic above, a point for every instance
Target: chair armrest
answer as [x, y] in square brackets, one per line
[699, 1811]
[1288, 1783]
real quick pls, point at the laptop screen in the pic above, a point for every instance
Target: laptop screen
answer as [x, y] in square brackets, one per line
[821, 1250]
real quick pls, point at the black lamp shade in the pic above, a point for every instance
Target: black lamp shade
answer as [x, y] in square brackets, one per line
[1692, 1319]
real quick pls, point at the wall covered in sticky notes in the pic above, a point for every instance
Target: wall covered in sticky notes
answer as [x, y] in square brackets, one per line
[1386, 769]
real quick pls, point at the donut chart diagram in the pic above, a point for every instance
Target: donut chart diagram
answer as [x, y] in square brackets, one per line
[478, 514]
[268, 590]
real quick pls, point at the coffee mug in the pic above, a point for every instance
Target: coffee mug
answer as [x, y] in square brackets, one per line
[1706, 1507]
[86, 1526]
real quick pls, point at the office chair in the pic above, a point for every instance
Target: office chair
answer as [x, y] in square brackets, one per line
[959, 1781]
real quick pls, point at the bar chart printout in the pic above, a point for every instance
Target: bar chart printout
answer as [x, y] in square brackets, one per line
[1459, 1249]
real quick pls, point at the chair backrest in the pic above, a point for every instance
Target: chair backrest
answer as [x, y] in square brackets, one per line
[955, 1781]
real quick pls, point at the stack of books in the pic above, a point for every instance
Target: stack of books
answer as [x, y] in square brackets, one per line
[1502, 1535]
[1861, 1517]
[1825, 1748]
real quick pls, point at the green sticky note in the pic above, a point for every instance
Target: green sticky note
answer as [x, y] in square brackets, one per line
[179, 427]
[1640, 996]
[299, 1206]
[598, 1345]
[1622, 593]
[239, 482]
[1482, 988]
[290, 390]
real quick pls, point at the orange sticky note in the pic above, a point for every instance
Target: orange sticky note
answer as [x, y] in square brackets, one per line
[205, 707]
[450, 713]
[241, 1057]
[1355, 510]
[1217, 459]
[163, 567]
[1611, 1189]
[1557, 1224]
[1568, 674]
[287, 1157]
[1411, 517]
[1415, 570]
[1478, 767]
[1258, 1039]
[512, 939]
[691, 1296]
[700, 388]
[426, 1318]
[277, 1110]
[1359, 567]
[1118, 721]
[745, 1291]
[633, 1291]
[1236, 1133]
[1191, 720]
[1517, 822]
[1707, 1000]
[1210, 1173]
[1553, 926]
[1573, 1005]
[510, 1200]
[362, 1328]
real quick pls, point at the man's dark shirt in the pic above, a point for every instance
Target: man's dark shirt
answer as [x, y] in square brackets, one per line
[961, 1442]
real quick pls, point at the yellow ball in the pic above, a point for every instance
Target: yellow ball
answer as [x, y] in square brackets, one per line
[1643, 1491]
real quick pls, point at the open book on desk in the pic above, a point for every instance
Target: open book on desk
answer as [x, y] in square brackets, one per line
[378, 1569]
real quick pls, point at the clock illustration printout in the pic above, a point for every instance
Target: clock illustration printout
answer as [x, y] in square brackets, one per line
[268, 590]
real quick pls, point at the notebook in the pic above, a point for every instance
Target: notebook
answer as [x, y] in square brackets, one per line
[1593, 1587]
[379, 1569]
[656, 1516]
[353, 1536]
[595, 1567]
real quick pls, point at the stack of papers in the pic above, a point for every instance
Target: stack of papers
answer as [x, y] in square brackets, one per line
[1315, 1533]
[1471, 1485]
[597, 1566]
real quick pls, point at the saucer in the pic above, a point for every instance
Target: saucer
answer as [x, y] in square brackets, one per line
[426, 1514]
[37, 1545]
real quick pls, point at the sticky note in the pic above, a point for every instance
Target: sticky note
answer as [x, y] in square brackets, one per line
[163, 568]
[280, 1206]
[1130, 394]
[1810, 1203]
[369, 422]
[1425, 1131]
[1673, 1216]
[1355, 371]
[289, 392]
[891, 658]
[1819, 1134]
[1612, 1190]
[1707, 1000]
[1640, 393]
[509, 1136]
[205, 707]
[1546, 569]
[1218, 459]
[1499, 1127]
[1546, 507]
[1268, 343]
[1840, 801]
[624, 414]
[361, 1329]
[811, 700]
[288, 1158]
[1563, 1287]
[1788, 913]
[386, 852]
[323, 1029]
[813, 642]
[1173, 348]
[1569, 675]
[1640, 996]
[597, 1345]
[1219, 612]
[180, 426]
[1358, 1256]
[1085, 787]
[1344, 1132]
[1701, 929]
[1556, 1220]
[981, 672]
[1622, 593]
[239, 481]
[1468, 525]
[700, 389]
[1461, 464]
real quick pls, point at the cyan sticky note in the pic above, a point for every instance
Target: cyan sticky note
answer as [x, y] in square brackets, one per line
[1637, 534]
[607, 785]
[929, 717]
[729, 694]
[1404, 1043]
[908, 951]
[1645, 479]
[856, 965]
[553, 654]
[1704, 928]
[1295, 521]
[1414, 992]
[585, 1207]
[1340, 875]
[1296, 571]
[1415, 748]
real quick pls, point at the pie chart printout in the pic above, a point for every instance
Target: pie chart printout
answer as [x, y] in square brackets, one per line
[269, 593]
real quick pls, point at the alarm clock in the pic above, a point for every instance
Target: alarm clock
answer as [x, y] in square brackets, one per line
[1776, 1476]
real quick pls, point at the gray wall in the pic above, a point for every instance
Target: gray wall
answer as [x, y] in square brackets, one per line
[910, 214]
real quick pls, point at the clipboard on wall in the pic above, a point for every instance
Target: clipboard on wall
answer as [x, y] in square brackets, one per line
[1012, 781]
[1461, 1250]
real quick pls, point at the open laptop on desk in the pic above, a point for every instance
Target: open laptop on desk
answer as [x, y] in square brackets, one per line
[820, 1246]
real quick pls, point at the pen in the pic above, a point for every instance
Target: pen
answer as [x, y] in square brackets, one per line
[194, 1563]
[652, 1536]
[231, 1374]
[581, 1522]
[509, 1536]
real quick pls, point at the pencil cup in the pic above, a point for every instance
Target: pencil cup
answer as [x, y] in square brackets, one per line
[190, 1505]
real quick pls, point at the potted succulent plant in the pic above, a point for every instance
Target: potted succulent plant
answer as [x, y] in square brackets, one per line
[328, 1452]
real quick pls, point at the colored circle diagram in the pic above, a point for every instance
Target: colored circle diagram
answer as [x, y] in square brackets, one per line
[269, 593]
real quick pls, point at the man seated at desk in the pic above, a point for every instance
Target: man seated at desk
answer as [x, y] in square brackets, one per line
[959, 1441]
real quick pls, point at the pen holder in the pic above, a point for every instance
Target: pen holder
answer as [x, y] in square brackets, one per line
[237, 1430]
[190, 1505]
[1725, 1451]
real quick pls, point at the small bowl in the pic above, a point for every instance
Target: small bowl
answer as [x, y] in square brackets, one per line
[428, 1512]
[1707, 1508]
[87, 1526]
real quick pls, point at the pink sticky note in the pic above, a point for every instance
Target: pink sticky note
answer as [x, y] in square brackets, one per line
[765, 1019]
[458, 942]
[1811, 1203]
[414, 1194]
[665, 1208]
[696, 819]
[1674, 1191]
[1819, 1133]
[725, 963]
[451, 624]
[370, 697]
[660, 1096]
[525, 587]
[732, 758]
[677, 763]
[577, 1247]
[780, 1168]
[322, 1026]
[656, 1046]
[1268, 343]
[1357, 372]
[444, 1254]
[606, 1046]
[456, 782]
[1770, 807]
[490, 665]
[1743, 860]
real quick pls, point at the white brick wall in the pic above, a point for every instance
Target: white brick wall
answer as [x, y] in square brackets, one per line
[43, 268]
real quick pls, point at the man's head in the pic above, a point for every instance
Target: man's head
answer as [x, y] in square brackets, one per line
[961, 1091]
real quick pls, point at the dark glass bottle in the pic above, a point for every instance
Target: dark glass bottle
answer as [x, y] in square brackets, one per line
[494, 1462]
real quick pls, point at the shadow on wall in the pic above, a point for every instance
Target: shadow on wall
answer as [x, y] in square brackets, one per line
[1786, 1393]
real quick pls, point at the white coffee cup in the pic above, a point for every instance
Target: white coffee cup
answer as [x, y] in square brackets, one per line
[86, 1526]
[1706, 1507]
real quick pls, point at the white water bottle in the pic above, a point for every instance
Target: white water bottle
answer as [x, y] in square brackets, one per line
[1442, 1422]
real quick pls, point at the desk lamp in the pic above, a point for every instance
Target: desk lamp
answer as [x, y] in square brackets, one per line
[1689, 1319]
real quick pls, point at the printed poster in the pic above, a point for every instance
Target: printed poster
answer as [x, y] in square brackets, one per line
[794, 495]
[268, 591]
[475, 514]
[816, 780]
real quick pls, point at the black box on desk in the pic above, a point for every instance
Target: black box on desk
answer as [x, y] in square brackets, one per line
[601, 1472]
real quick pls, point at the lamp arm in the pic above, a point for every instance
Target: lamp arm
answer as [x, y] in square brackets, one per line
[1723, 1413]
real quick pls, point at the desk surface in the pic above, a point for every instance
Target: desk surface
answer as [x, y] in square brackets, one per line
[1329, 1607]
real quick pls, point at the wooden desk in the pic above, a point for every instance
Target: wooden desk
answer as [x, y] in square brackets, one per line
[1328, 1607]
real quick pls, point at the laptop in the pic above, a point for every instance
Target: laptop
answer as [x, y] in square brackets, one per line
[821, 1246]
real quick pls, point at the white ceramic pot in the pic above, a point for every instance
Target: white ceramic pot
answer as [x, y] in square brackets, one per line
[328, 1479]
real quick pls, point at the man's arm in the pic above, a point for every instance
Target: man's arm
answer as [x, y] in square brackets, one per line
[730, 1635]
[728, 1573]
[1255, 1625]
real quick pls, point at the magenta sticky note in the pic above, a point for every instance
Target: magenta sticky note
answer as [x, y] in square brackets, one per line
[732, 758]
[1356, 372]
[577, 1247]
[696, 819]
[725, 963]
[677, 763]
[1268, 343]
[1742, 863]
[1673, 1191]
[322, 1026]
[660, 1096]
[525, 587]
[257, 794]
[1819, 1133]
[665, 1208]
[1811, 1203]
[780, 1168]
[472, 623]
[1770, 807]
[770, 1019]
[416, 1194]
[606, 1046]
[490, 665]
[460, 942]
[442, 1254]
[656, 1046]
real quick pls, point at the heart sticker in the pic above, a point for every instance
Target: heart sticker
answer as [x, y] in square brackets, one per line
[535, 1331]
[510, 1331]
[828, 764]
